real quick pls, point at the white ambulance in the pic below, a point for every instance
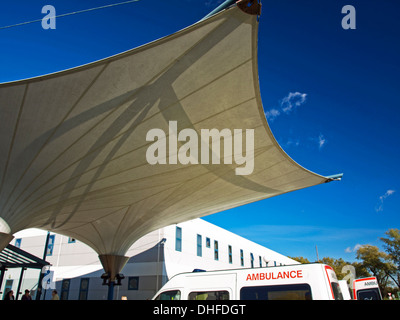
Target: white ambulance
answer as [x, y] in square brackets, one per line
[294, 282]
[346, 291]
[366, 289]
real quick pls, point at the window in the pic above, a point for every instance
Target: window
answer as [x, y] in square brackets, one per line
[178, 239]
[71, 240]
[199, 246]
[208, 242]
[337, 293]
[368, 294]
[84, 289]
[133, 283]
[209, 295]
[282, 292]
[50, 245]
[260, 261]
[241, 258]
[216, 257]
[169, 295]
[65, 289]
[230, 253]
[251, 260]
[18, 242]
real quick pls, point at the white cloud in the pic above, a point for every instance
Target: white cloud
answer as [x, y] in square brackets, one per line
[387, 194]
[290, 142]
[379, 206]
[292, 101]
[293, 142]
[354, 249]
[321, 141]
[287, 104]
[272, 114]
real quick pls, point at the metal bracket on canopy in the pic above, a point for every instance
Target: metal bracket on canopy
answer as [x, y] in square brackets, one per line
[335, 177]
[250, 6]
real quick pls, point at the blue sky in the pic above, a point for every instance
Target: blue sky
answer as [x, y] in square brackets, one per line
[331, 97]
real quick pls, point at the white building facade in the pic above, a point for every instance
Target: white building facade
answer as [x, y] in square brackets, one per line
[76, 270]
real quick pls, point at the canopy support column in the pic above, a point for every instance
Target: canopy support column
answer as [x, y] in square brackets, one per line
[112, 264]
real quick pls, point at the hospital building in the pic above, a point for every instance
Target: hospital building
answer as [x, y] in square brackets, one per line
[191, 246]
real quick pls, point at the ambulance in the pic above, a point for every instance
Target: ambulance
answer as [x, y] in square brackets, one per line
[366, 289]
[293, 282]
[346, 291]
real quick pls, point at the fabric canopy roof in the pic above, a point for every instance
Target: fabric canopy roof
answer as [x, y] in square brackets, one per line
[73, 144]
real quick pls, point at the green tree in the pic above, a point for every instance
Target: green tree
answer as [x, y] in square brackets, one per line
[300, 259]
[361, 270]
[376, 262]
[337, 265]
[392, 247]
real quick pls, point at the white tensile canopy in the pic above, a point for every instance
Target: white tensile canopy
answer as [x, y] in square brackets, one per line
[73, 144]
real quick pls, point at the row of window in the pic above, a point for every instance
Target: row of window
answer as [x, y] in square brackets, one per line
[178, 247]
[133, 284]
[50, 245]
[279, 292]
[83, 289]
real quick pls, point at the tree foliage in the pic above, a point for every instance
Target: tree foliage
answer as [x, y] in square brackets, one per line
[377, 263]
[385, 266]
[392, 247]
[300, 259]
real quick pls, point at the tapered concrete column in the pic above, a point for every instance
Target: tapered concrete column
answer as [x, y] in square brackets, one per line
[112, 264]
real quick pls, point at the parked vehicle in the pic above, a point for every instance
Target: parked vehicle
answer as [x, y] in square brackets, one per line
[346, 291]
[294, 282]
[366, 289]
